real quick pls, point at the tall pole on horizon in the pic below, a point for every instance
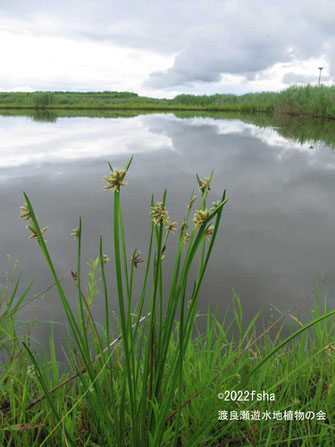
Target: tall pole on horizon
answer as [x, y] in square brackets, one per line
[320, 68]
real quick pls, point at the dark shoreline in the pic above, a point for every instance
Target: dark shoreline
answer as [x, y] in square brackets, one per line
[166, 109]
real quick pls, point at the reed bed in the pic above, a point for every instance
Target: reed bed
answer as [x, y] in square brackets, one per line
[307, 100]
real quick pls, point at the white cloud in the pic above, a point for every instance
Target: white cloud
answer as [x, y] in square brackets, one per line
[65, 63]
[28, 143]
[161, 48]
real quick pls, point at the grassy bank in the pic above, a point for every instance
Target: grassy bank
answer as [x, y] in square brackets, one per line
[310, 101]
[159, 382]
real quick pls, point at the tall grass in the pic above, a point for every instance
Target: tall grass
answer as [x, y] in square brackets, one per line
[156, 383]
[10, 303]
[42, 99]
[308, 100]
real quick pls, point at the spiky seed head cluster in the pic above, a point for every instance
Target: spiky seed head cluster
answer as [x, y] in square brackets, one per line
[204, 183]
[76, 233]
[183, 226]
[215, 205]
[34, 234]
[105, 258]
[136, 258]
[187, 238]
[25, 213]
[171, 225]
[209, 231]
[115, 180]
[159, 213]
[200, 217]
[189, 206]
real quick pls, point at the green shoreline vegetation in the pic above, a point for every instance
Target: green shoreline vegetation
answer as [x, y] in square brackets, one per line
[312, 101]
[157, 384]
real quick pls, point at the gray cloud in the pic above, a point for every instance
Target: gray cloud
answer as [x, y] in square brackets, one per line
[209, 38]
[251, 40]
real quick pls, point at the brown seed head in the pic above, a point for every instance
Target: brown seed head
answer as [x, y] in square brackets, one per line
[189, 206]
[34, 234]
[183, 226]
[136, 258]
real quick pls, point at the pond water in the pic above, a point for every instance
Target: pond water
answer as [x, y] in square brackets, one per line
[278, 230]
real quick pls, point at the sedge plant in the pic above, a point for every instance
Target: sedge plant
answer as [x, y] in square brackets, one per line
[131, 409]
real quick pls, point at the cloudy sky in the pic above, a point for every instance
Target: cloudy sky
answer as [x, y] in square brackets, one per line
[162, 48]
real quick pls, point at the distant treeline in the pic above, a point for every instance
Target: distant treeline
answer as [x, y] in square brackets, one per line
[307, 100]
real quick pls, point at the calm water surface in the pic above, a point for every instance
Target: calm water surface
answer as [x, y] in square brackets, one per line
[278, 232]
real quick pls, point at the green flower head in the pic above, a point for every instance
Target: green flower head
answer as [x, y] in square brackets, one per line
[159, 213]
[24, 212]
[204, 184]
[209, 231]
[115, 180]
[187, 238]
[215, 205]
[200, 217]
[171, 225]
[105, 258]
[75, 233]
[189, 206]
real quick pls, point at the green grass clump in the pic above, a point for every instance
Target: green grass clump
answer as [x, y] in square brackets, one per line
[157, 383]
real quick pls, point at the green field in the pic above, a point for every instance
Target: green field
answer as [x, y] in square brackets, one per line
[313, 101]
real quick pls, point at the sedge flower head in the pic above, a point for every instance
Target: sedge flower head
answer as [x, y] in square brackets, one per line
[215, 205]
[209, 231]
[183, 226]
[34, 234]
[24, 212]
[200, 217]
[105, 258]
[204, 184]
[171, 226]
[136, 258]
[75, 233]
[187, 238]
[159, 213]
[115, 180]
[189, 206]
